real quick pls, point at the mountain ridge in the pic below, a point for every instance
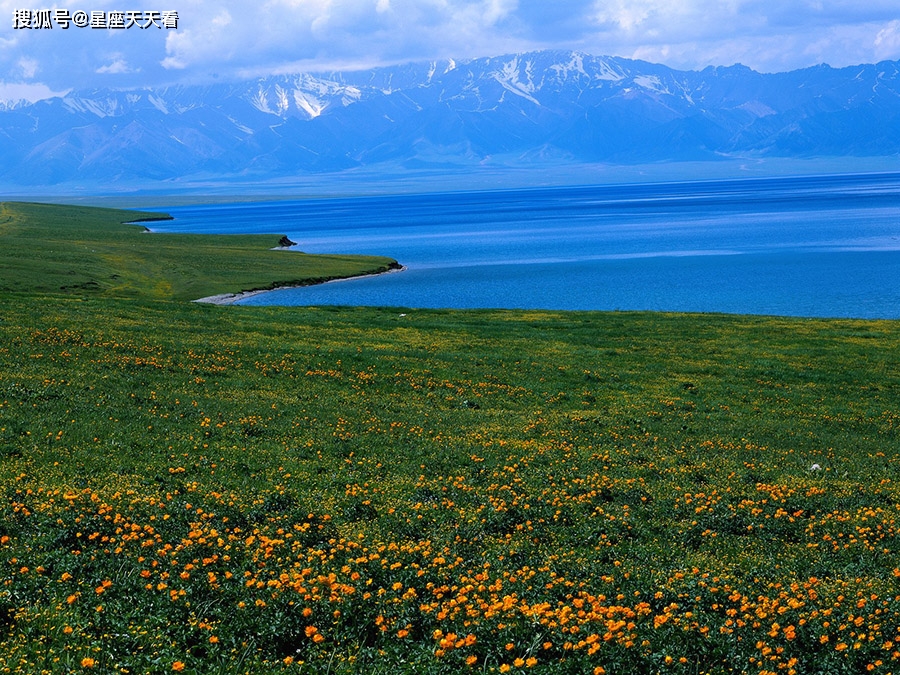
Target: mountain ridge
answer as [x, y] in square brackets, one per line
[510, 110]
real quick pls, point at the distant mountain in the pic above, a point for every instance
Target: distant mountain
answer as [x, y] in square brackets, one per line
[515, 110]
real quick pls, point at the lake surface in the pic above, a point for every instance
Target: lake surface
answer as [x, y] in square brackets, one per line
[802, 246]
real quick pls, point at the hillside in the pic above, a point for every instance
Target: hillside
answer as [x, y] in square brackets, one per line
[83, 251]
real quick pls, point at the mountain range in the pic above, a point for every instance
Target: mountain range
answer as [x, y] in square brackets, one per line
[514, 110]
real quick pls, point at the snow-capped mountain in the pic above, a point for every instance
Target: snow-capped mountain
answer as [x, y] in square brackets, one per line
[509, 110]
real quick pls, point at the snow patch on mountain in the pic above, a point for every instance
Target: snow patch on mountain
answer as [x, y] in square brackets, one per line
[260, 101]
[652, 83]
[509, 77]
[757, 108]
[608, 72]
[309, 104]
[108, 107]
[241, 127]
[158, 103]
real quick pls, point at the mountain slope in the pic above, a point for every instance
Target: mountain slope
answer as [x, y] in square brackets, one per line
[511, 110]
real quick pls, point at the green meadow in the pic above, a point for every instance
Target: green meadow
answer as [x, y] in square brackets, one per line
[58, 249]
[204, 489]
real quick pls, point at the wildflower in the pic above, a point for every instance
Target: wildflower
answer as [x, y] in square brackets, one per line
[88, 662]
[178, 666]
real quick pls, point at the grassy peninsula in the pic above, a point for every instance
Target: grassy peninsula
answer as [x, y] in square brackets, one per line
[199, 489]
[83, 250]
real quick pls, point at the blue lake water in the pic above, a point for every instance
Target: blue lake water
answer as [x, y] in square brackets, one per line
[802, 246]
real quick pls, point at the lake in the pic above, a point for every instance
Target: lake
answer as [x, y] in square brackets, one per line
[823, 246]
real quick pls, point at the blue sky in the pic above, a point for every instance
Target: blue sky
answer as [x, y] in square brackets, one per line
[224, 40]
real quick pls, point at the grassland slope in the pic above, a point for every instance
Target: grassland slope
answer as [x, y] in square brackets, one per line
[92, 251]
[188, 488]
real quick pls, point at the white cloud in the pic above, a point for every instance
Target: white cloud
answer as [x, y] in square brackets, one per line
[230, 38]
[118, 66]
[887, 41]
[623, 15]
[18, 91]
[497, 10]
[209, 42]
[28, 67]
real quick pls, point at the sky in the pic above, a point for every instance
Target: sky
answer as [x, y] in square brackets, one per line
[226, 40]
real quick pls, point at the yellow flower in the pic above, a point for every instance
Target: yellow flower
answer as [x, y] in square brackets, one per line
[178, 666]
[88, 662]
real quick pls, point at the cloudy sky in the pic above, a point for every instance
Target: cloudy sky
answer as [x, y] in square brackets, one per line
[219, 40]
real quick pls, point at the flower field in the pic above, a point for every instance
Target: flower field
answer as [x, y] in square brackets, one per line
[333, 490]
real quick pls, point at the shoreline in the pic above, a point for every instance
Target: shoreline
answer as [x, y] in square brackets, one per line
[232, 298]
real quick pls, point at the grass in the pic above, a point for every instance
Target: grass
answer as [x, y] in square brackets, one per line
[82, 250]
[201, 489]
